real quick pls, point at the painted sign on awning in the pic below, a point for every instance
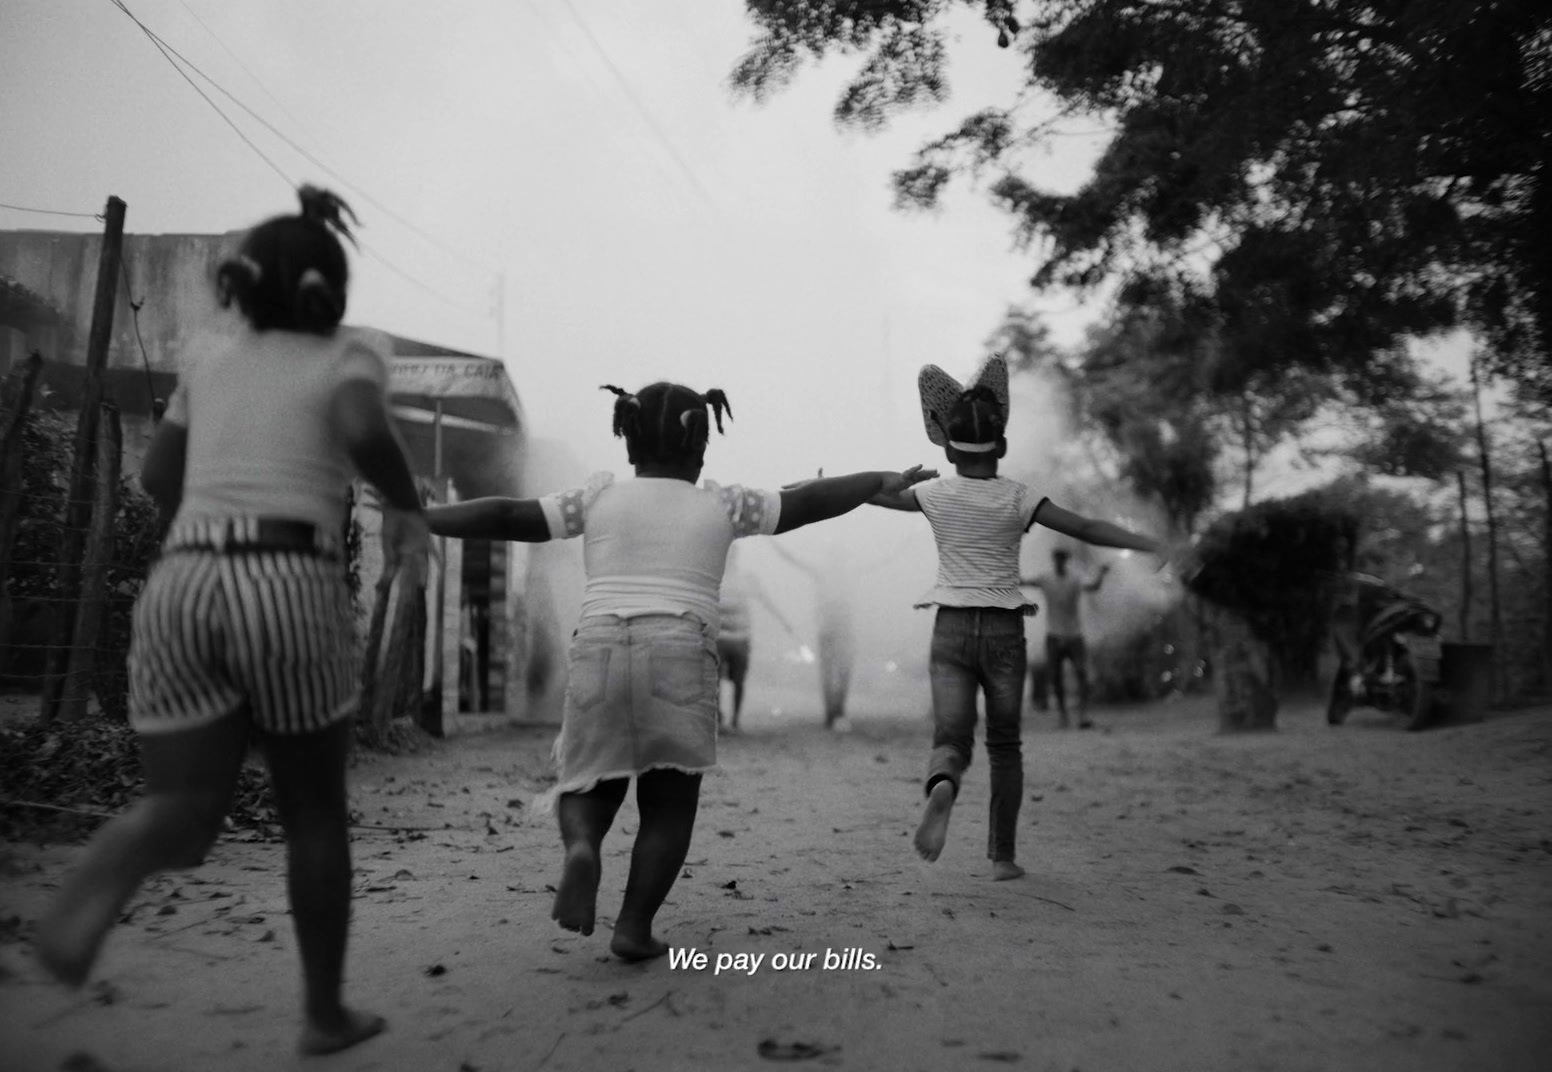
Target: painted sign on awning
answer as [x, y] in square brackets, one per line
[476, 388]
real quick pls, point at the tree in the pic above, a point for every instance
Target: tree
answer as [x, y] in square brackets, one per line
[1326, 177]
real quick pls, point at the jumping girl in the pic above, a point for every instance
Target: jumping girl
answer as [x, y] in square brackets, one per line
[642, 695]
[244, 629]
[978, 520]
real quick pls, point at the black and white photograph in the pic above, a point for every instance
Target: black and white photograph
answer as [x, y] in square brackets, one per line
[544, 535]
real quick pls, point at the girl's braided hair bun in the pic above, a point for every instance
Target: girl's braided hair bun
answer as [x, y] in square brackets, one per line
[667, 422]
[290, 273]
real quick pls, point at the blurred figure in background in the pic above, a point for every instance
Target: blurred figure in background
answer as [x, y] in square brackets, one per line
[837, 630]
[1063, 590]
[735, 641]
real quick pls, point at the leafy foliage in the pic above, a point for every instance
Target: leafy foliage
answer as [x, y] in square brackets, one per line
[1323, 177]
[91, 766]
[47, 438]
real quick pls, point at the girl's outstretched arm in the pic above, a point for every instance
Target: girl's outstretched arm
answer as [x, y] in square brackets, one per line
[820, 500]
[904, 499]
[1092, 530]
[518, 520]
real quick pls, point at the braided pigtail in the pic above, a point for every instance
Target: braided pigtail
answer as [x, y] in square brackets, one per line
[627, 413]
[718, 401]
[697, 429]
[328, 209]
[319, 304]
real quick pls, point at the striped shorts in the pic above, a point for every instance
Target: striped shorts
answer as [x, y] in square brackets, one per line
[269, 632]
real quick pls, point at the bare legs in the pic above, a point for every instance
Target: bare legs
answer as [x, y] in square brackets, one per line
[1060, 650]
[738, 699]
[308, 774]
[933, 830]
[190, 775]
[584, 820]
[667, 801]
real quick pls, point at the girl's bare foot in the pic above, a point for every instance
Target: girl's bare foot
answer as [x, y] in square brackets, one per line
[340, 1032]
[576, 899]
[636, 947]
[67, 945]
[933, 830]
[1002, 870]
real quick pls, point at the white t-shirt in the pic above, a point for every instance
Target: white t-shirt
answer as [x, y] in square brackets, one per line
[979, 525]
[256, 406]
[655, 545]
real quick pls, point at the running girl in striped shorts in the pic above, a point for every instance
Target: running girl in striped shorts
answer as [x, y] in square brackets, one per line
[978, 520]
[642, 691]
[245, 626]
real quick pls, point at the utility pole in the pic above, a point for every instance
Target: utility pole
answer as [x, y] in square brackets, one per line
[78, 507]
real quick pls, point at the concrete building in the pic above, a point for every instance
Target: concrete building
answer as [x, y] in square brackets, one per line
[459, 413]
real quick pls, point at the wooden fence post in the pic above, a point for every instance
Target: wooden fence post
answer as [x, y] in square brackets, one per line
[96, 558]
[78, 501]
[372, 662]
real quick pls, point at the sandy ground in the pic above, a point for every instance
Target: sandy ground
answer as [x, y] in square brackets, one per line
[1359, 898]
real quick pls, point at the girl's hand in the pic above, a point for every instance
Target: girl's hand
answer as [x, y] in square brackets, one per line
[406, 542]
[895, 483]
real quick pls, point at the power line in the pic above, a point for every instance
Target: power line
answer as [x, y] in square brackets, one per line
[641, 109]
[300, 150]
[168, 52]
[53, 212]
[238, 60]
[184, 75]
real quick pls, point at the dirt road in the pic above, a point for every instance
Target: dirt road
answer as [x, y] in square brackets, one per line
[1312, 899]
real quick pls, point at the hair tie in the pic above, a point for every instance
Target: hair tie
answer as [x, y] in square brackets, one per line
[312, 279]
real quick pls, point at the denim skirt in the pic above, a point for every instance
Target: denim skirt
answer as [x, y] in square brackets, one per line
[641, 695]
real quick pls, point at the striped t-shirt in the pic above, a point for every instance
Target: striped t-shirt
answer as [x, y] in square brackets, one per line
[978, 524]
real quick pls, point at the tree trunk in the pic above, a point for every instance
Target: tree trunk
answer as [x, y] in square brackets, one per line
[374, 731]
[1546, 569]
[1250, 454]
[1465, 561]
[1242, 676]
[1495, 635]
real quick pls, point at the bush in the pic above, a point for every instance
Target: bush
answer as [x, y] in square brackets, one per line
[1277, 565]
[33, 584]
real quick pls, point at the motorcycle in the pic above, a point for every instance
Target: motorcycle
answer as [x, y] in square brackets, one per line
[1390, 653]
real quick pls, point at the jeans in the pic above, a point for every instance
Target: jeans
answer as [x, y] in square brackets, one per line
[980, 647]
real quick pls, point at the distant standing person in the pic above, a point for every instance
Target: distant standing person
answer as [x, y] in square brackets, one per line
[735, 641]
[836, 635]
[1063, 590]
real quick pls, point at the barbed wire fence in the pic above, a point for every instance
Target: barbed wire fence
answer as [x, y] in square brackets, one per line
[71, 564]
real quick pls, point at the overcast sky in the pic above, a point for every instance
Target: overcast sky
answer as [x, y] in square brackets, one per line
[586, 158]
